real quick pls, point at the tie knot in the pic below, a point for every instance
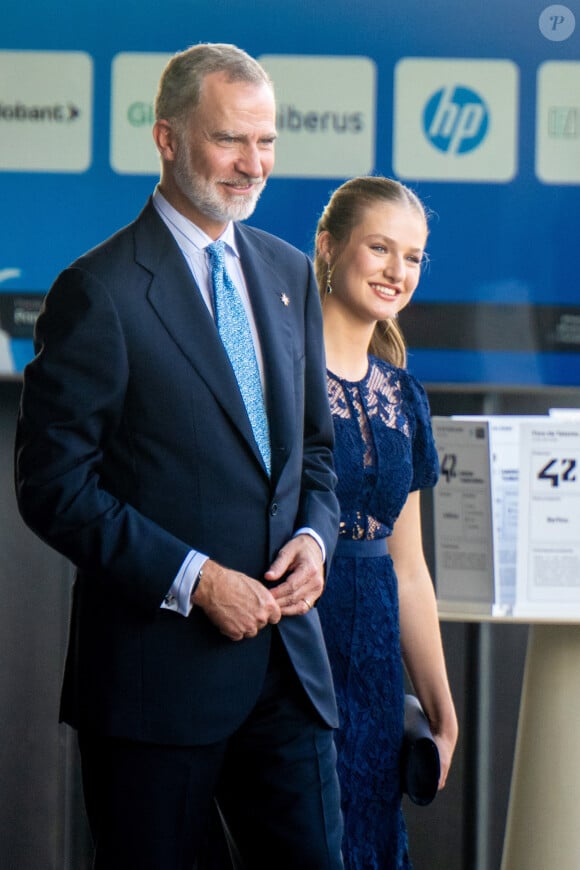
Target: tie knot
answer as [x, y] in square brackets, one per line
[217, 252]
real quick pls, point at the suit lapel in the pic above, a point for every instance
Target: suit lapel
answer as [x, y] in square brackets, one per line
[178, 303]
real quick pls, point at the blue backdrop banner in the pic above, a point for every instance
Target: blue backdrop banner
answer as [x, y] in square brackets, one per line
[474, 105]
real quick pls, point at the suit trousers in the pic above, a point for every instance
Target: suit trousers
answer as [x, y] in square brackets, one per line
[150, 806]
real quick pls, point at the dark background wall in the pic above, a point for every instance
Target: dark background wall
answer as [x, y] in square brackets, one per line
[42, 823]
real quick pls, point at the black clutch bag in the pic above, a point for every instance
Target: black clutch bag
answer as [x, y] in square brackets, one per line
[420, 766]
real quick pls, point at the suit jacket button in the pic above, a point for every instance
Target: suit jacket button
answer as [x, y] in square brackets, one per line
[273, 509]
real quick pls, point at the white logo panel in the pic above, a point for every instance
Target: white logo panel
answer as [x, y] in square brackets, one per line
[558, 123]
[325, 115]
[45, 111]
[135, 76]
[455, 120]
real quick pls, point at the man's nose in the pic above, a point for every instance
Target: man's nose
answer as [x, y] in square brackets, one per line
[249, 161]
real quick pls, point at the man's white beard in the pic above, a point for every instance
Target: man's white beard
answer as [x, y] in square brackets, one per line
[204, 195]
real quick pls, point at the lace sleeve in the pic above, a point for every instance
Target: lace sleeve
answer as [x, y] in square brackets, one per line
[425, 460]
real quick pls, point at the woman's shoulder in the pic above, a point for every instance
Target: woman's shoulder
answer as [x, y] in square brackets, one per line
[406, 378]
[411, 389]
[417, 412]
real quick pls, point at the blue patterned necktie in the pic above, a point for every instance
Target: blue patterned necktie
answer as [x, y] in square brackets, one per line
[234, 330]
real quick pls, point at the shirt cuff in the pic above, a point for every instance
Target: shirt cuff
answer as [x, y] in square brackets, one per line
[306, 530]
[178, 598]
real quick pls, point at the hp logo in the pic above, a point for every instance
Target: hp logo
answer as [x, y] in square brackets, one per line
[455, 120]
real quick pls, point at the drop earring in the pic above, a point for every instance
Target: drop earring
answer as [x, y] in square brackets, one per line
[328, 280]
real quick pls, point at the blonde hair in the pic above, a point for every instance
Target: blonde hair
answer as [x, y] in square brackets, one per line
[341, 214]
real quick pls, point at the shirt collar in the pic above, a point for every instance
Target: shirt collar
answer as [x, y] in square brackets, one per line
[186, 232]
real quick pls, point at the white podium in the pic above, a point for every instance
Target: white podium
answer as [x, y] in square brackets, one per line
[543, 822]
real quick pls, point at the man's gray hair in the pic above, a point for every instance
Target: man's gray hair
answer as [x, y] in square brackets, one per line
[179, 88]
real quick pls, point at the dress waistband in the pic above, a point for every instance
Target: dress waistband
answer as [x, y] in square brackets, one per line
[364, 549]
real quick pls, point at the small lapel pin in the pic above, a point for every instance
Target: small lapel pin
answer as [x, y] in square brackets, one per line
[285, 300]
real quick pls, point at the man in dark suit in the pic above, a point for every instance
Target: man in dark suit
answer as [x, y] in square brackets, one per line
[196, 665]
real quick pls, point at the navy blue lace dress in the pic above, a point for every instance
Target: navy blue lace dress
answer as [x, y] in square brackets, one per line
[384, 449]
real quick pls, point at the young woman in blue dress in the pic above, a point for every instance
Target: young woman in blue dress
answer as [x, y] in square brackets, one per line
[378, 610]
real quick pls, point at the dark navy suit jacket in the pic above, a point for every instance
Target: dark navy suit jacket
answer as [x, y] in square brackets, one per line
[133, 446]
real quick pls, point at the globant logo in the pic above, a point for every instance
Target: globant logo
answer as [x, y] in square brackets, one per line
[46, 111]
[56, 112]
[455, 120]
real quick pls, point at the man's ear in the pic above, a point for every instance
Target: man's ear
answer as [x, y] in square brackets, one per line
[165, 139]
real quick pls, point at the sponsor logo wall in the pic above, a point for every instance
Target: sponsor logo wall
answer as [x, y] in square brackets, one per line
[490, 139]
